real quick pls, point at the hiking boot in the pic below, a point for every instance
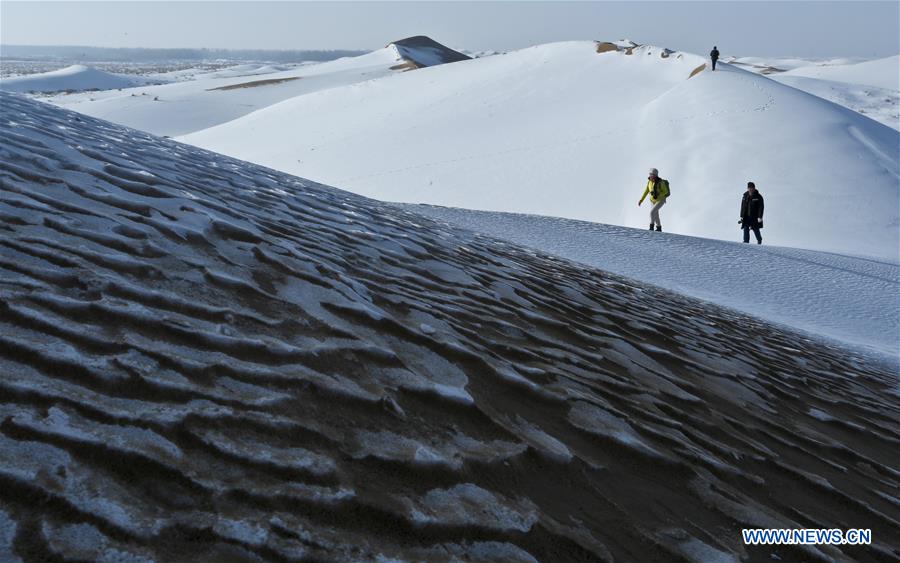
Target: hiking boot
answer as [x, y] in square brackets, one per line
[651, 226]
[659, 228]
[759, 241]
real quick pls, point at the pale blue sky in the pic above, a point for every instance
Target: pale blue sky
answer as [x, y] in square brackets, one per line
[807, 29]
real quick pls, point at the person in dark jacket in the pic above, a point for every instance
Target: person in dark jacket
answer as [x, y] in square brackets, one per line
[752, 212]
[714, 55]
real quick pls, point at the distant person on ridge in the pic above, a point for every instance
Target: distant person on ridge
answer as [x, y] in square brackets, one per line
[752, 213]
[658, 189]
[714, 55]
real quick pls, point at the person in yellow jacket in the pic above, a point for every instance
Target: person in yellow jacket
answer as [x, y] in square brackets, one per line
[658, 190]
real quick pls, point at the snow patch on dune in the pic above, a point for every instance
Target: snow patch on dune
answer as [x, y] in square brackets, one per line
[72, 78]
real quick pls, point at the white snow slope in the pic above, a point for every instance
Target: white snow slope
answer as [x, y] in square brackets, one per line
[187, 106]
[561, 130]
[75, 77]
[208, 360]
[855, 300]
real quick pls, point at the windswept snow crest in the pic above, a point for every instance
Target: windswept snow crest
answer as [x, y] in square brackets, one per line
[570, 129]
[207, 359]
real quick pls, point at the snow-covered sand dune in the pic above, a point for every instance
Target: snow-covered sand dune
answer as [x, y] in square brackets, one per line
[563, 130]
[880, 104]
[423, 52]
[855, 300]
[184, 107]
[775, 65]
[881, 73]
[72, 78]
[216, 98]
[871, 88]
[205, 359]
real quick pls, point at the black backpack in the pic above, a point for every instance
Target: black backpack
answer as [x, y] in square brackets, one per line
[654, 193]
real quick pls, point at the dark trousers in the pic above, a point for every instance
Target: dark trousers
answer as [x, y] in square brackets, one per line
[755, 232]
[714, 63]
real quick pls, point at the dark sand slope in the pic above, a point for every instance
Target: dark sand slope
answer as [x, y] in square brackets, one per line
[421, 52]
[206, 360]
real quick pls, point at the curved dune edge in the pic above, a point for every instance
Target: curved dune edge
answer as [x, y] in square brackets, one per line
[207, 359]
[697, 70]
[256, 83]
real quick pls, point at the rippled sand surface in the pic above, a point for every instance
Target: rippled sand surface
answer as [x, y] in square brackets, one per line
[206, 360]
